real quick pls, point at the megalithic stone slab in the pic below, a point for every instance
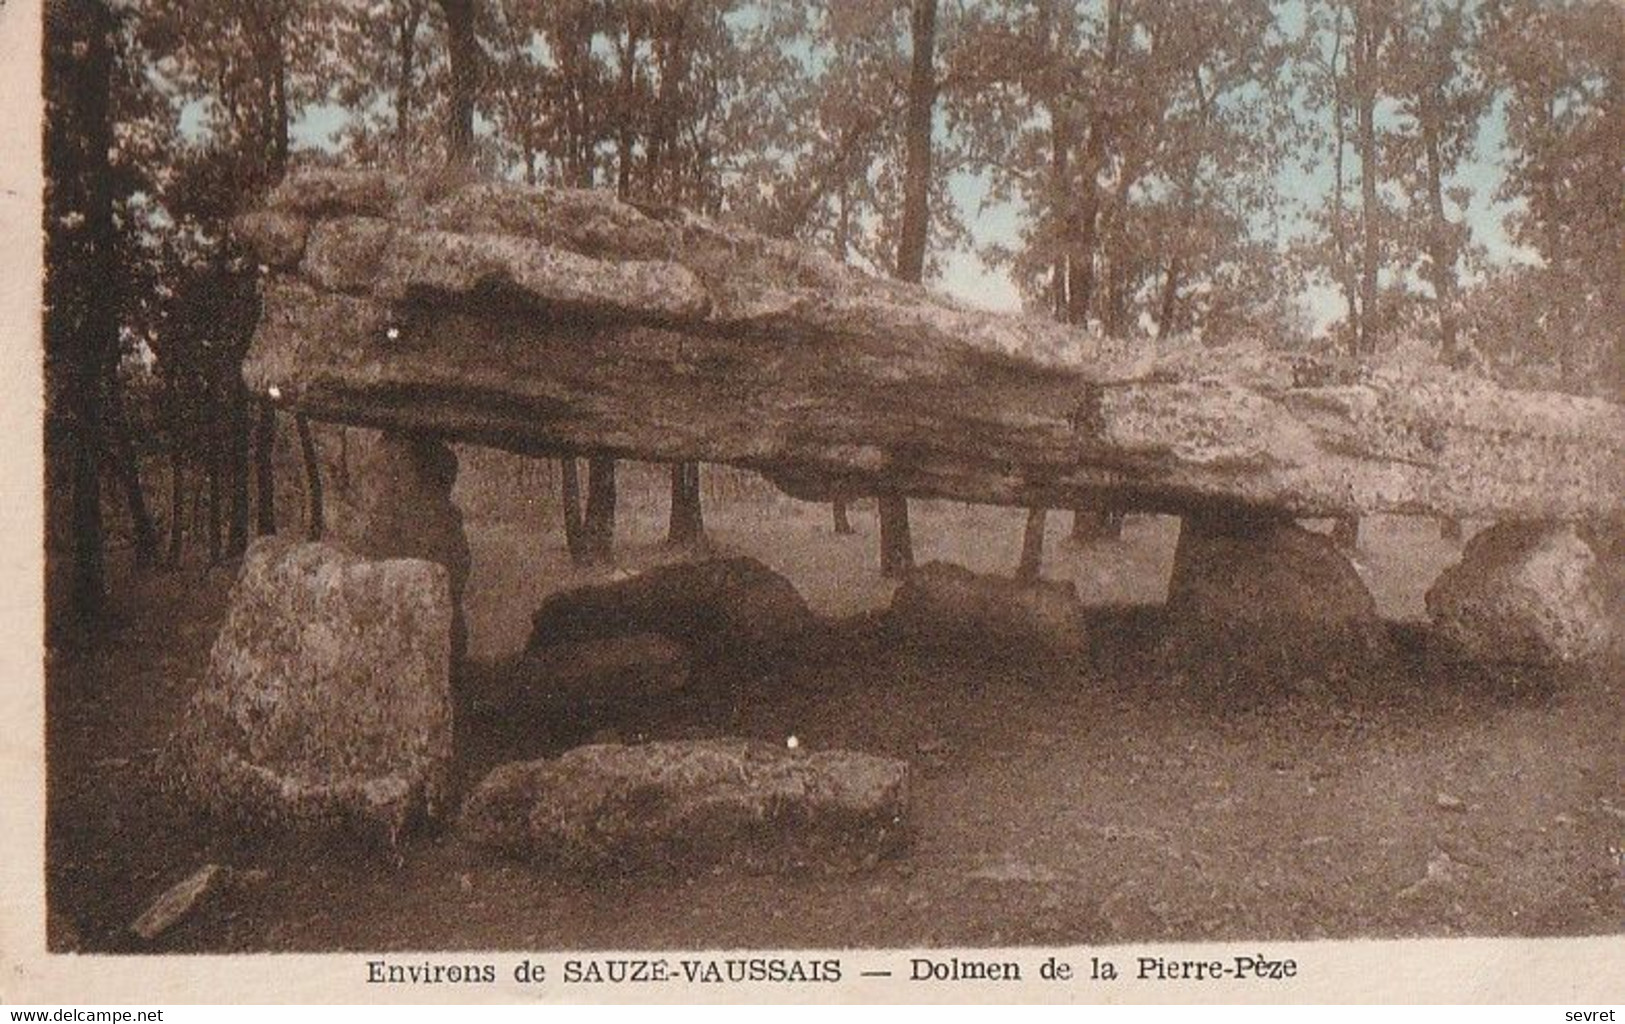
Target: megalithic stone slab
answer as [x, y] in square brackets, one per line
[546, 321]
[1526, 594]
[327, 703]
[694, 804]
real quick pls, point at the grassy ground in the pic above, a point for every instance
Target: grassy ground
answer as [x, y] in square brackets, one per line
[1055, 802]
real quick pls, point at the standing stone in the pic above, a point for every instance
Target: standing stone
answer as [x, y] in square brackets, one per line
[398, 505]
[614, 671]
[735, 614]
[327, 702]
[1525, 593]
[946, 605]
[693, 804]
[1259, 601]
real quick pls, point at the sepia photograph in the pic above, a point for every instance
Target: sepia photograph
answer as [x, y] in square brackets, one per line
[953, 476]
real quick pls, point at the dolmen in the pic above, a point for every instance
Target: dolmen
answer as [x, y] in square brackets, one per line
[561, 322]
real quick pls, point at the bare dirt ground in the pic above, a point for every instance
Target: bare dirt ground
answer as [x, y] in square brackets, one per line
[1054, 802]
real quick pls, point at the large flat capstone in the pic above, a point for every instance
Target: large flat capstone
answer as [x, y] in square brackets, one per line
[327, 701]
[693, 804]
[549, 321]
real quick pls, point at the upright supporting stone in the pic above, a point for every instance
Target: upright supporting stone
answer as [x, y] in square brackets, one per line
[1262, 600]
[1525, 593]
[400, 507]
[327, 703]
[1092, 524]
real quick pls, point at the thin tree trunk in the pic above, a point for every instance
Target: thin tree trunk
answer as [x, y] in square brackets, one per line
[1366, 46]
[1439, 255]
[843, 525]
[177, 503]
[1170, 297]
[120, 456]
[216, 500]
[1086, 215]
[126, 467]
[599, 523]
[265, 468]
[88, 593]
[1032, 546]
[843, 232]
[624, 135]
[896, 545]
[195, 523]
[405, 54]
[1060, 201]
[687, 520]
[315, 513]
[575, 536]
[1442, 259]
[1345, 270]
[238, 456]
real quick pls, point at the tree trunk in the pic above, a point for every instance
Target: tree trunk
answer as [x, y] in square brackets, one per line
[177, 504]
[265, 468]
[922, 96]
[238, 458]
[1032, 546]
[575, 536]
[1366, 45]
[1086, 215]
[896, 543]
[599, 523]
[896, 546]
[1170, 297]
[216, 501]
[1439, 255]
[464, 52]
[1345, 273]
[687, 520]
[315, 514]
[1060, 200]
[843, 525]
[624, 134]
[843, 231]
[279, 101]
[128, 470]
[120, 456]
[94, 337]
[405, 55]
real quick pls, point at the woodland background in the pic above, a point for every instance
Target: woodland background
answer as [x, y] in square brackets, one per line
[1305, 172]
